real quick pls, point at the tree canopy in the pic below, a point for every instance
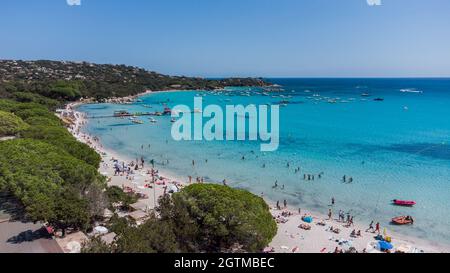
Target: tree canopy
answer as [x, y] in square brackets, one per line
[11, 124]
[52, 175]
[214, 218]
[200, 218]
[49, 183]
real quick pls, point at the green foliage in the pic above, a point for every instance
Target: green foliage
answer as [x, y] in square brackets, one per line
[119, 225]
[50, 173]
[8, 105]
[216, 218]
[67, 90]
[117, 195]
[69, 81]
[60, 137]
[71, 211]
[96, 246]
[44, 121]
[49, 182]
[47, 127]
[154, 236]
[36, 98]
[200, 218]
[11, 124]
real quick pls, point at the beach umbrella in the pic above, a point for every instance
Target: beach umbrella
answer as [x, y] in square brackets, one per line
[172, 188]
[385, 245]
[101, 230]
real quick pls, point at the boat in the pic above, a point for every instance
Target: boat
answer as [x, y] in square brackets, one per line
[403, 220]
[412, 90]
[137, 121]
[121, 113]
[378, 99]
[405, 203]
[365, 95]
[152, 120]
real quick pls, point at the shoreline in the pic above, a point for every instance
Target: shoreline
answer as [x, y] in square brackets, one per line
[289, 239]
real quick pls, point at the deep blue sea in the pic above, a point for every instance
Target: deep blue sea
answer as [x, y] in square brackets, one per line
[397, 148]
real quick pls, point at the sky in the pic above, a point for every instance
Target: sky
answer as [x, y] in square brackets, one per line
[218, 38]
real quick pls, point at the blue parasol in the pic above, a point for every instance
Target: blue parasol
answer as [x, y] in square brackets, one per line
[385, 245]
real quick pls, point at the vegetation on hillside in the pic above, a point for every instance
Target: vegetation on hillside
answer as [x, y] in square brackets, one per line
[11, 124]
[32, 81]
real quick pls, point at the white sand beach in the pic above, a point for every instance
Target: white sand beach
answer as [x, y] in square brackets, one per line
[290, 237]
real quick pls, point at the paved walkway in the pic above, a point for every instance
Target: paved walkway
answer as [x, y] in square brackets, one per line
[17, 237]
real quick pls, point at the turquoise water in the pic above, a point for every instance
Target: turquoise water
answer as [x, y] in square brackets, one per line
[394, 149]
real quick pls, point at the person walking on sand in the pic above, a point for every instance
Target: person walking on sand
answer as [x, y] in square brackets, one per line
[285, 203]
[330, 214]
[370, 227]
[278, 205]
[190, 179]
[225, 182]
[377, 228]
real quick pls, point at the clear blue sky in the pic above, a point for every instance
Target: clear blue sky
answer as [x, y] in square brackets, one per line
[305, 38]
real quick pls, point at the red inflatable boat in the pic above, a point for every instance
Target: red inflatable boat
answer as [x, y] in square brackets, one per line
[404, 203]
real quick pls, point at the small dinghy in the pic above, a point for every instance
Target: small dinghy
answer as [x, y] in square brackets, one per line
[404, 203]
[403, 220]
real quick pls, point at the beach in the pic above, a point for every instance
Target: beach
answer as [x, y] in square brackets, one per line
[289, 239]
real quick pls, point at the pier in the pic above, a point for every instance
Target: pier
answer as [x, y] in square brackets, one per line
[125, 114]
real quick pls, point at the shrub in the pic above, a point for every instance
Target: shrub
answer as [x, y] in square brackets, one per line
[11, 124]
